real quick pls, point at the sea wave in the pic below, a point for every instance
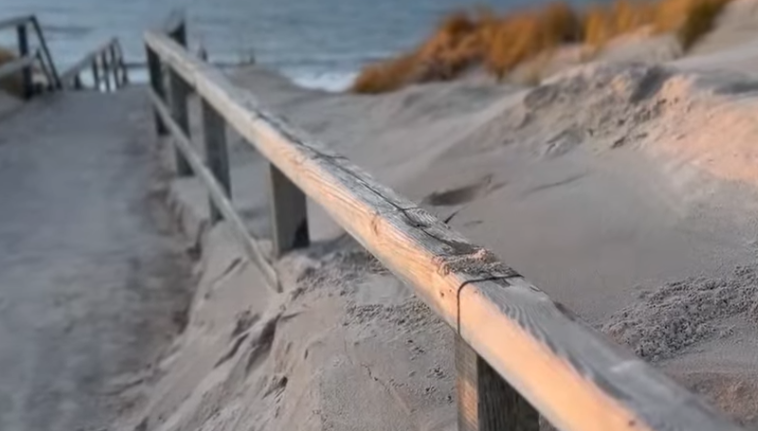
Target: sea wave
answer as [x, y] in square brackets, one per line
[331, 81]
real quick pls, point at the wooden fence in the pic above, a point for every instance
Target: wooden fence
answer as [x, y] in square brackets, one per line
[28, 58]
[106, 65]
[518, 355]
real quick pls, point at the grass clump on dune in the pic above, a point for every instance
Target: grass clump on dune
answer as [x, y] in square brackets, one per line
[464, 40]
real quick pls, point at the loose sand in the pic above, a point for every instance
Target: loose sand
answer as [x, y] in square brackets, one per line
[626, 191]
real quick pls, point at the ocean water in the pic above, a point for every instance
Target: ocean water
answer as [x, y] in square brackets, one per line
[316, 43]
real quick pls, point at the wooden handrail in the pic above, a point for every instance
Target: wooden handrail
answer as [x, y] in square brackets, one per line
[108, 59]
[21, 24]
[68, 77]
[45, 52]
[515, 348]
[217, 194]
[109, 56]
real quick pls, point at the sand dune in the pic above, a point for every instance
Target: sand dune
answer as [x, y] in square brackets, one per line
[626, 191]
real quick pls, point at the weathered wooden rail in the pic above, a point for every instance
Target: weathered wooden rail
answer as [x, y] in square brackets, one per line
[28, 58]
[518, 354]
[106, 65]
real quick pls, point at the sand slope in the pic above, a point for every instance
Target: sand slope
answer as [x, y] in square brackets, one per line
[607, 182]
[345, 347]
[626, 191]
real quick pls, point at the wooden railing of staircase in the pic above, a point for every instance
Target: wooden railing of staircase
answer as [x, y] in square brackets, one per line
[106, 65]
[28, 58]
[518, 354]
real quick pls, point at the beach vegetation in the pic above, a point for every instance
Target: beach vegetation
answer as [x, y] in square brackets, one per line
[467, 40]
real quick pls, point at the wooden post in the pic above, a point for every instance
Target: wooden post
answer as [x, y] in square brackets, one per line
[115, 66]
[486, 402]
[106, 70]
[23, 51]
[46, 52]
[96, 75]
[122, 66]
[156, 82]
[178, 94]
[289, 215]
[179, 34]
[217, 158]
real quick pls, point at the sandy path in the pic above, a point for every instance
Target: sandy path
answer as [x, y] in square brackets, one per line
[91, 281]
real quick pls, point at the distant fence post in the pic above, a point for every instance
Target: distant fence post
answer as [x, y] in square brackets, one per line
[178, 95]
[23, 51]
[122, 65]
[96, 75]
[289, 214]
[158, 85]
[179, 92]
[46, 52]
[217, 158]
[114, 65]
[486, 402]
[179, 33]
[103, 58]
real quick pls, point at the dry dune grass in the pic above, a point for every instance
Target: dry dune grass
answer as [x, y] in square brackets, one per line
[466, 39]
[499, 43]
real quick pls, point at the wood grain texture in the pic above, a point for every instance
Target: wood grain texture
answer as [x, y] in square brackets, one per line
[485, 401]
[466, 386]
[289, 214]
[576, 378]
[216, 154]
[217, 193]
[420, 249]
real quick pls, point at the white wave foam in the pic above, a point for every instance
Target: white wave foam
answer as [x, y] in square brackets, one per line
[328, 81]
